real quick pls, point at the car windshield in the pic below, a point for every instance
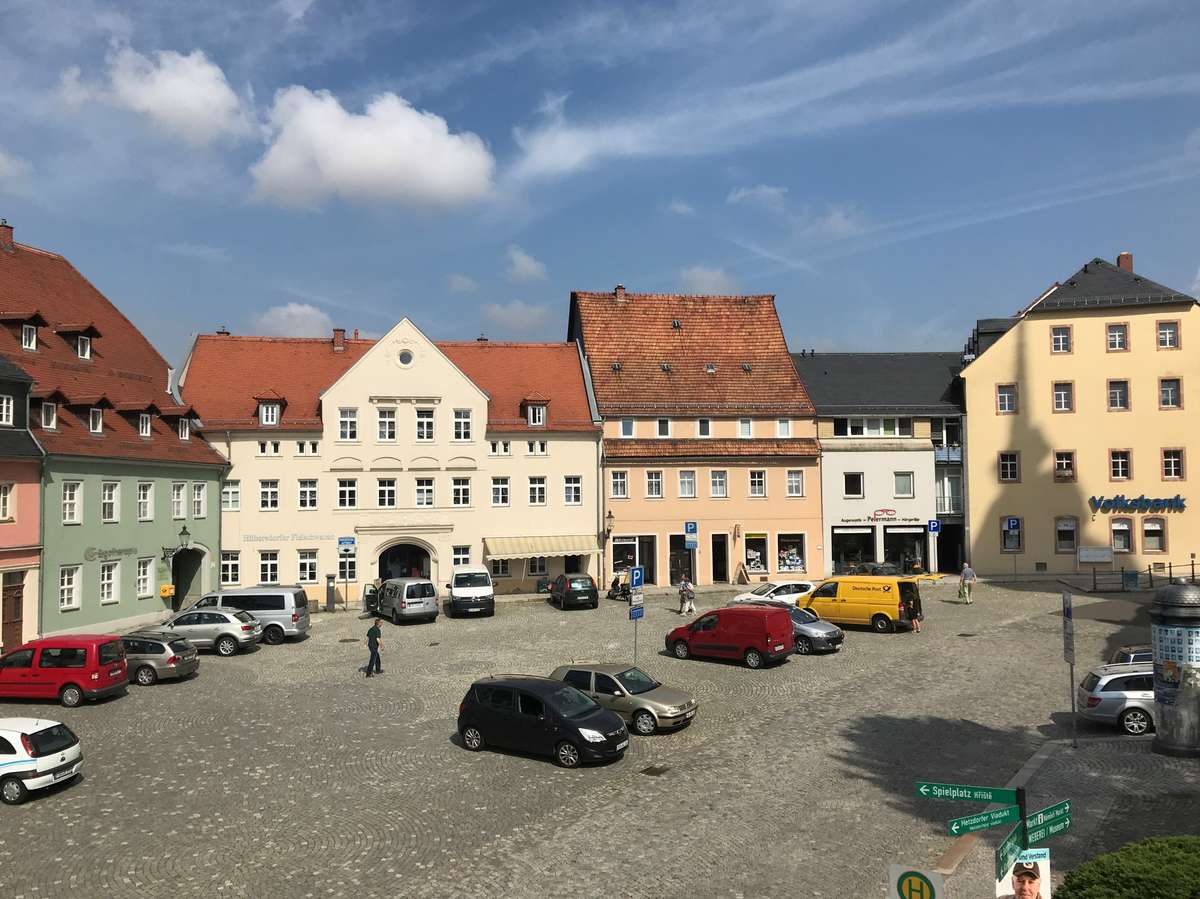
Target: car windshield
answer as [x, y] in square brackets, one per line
[635, 680]
[803, 616]
[421, 591]
[53, 739]
[112, 652]
[763, 589]
[478, 579]
[570, 703]
[243, 616]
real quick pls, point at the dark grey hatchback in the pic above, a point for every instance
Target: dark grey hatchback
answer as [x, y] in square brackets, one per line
[542, 716]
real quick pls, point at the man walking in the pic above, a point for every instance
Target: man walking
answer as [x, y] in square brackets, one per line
[687, 596]
[966, 583]
[374, 642]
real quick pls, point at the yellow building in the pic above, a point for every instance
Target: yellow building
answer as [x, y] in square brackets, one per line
[1079, 428]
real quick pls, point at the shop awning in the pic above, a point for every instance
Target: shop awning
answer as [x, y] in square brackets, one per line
[529, 547]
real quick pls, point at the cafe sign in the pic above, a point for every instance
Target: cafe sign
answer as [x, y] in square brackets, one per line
[1142, 503]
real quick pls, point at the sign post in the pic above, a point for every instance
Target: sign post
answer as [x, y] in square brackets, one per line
[1068, 623]
[910, 882]
[690, 535]
[1009, 814]
[1008, 850]
[635, 612]
[967, 793]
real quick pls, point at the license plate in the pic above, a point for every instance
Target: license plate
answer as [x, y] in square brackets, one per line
[64, 774]
[779, 647]
[474, 610]
[691, 714]
[622, 744]
[115, 672]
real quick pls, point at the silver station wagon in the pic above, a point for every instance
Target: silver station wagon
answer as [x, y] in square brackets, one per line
[154, 655]
[641, 701]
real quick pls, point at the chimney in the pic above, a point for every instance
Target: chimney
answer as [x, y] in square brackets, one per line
[222, 331]
[619, 293]
[6, 238]
[1124, 260]
[482, 338]
[339, 340]
[356, 333]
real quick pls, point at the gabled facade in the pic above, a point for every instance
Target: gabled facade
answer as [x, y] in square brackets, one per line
[20, 510]
[126, 469]
[890, 426]
[1081, 428]
[428, 455]
[705, 422]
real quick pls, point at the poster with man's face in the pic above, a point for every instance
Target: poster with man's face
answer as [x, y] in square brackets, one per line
[1028, 878]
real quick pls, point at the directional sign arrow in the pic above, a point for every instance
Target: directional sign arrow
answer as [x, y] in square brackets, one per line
[983, 820]
[1046, 831]
[967, 793]
[1049, 813]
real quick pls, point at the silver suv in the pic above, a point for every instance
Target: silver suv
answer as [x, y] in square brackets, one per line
[413, 598]
[1120, 694]
[224, 630]
[152, 655]
[283, 611]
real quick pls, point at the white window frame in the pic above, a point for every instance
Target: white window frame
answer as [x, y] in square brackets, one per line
[627, 428]
[536, 415]
[110, 502]
[620, 478]
[110, 583]
[307, 494]
[662, 428]
[745, 428]
[1060, 339]
[7, 408]
[185, 429]
[145, 424]
[762, 482]
[1165, 328]
[687, 483]
[231, 496]
[1177, 393]
[348, 567]
[1178, 475]
[499, 568]
[537, 490]
[8, 502]
[912, 484]
[83, 346]
[499, 448]
[783, 427]
[199, 500]
[145, 501]
[306, 558]
[268, 495]
[462, 425]
[347, 493]
[573, 490]
[144, 580]
[537, 565]
[268, 566]
[862, 481]
[704, 427]
[654, 484]
[72, 502]
[385, 490]
[231, 567]
[1006, 399]
[460, 493]
[501, 492]
[425, 425]
[386, 425]
[1111, 330]
[1068, 395]
[268, 447]
[423, 495]
[795, 482]
[268, 414]
[29, 337]
[347, 424]
[50, 421]
[718, 483]
[96, 421]
[69, 587]
[460, 555]
[537, 447]
[1120, 461]
[178, 501]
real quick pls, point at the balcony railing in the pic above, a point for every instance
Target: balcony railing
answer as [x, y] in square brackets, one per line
[949, 505]
[947, 454]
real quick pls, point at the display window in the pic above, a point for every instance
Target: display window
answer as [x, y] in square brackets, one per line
[791, 553]
[756, 552]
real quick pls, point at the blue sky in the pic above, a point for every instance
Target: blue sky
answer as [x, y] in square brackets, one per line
[891, 171]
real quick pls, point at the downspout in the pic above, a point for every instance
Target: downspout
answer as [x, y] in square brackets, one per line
[596, 420]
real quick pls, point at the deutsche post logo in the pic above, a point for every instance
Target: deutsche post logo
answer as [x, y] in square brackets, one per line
[914, 885]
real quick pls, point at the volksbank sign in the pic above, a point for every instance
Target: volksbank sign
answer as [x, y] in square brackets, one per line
[1142, 503]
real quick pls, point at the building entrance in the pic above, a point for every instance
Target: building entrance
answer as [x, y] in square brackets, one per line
[404, 560]
[905, 547]
[185, 575]
[12, 599]
[852, 548]
[720, 558]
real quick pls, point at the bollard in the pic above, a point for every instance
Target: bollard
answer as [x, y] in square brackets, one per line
[1175, 635]
[330, 592]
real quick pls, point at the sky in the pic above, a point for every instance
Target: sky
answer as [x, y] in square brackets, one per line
[891, 171]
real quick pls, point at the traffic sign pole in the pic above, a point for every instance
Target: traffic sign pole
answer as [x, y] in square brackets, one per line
[1022, 824]
[1068, 614]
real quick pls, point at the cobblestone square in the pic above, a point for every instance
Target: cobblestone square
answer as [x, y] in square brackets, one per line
[283, 772]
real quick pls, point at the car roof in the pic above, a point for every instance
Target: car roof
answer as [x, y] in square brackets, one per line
[874, 577]
[766, 602]
[1135, 647]
[746, 608]
[602, 667]
[152, 634]
[1124, 668]
[532, 682]
[26, 725]
[469, 569]
[261, 588]
[407, 580]
[70, 640]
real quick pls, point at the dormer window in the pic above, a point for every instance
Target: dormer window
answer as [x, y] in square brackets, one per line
[29, 337]
[268, 414]
[144, 425]
[49, 416]
[536, 415]
[96, 421]
[83, 347]
[6, 410]
[185, 429]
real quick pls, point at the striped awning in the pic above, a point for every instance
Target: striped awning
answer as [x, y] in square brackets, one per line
[530, 547]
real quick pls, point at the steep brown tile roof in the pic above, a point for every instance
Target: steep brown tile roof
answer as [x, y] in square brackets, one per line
[124, 367]
[727, 354]
[227, 373]
[703, 448]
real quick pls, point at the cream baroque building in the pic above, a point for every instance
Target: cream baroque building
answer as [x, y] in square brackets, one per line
[428, 455]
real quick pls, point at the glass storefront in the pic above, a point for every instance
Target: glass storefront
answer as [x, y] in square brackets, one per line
[791, 553]
[756, 553]
[905, 547]
[852, 547]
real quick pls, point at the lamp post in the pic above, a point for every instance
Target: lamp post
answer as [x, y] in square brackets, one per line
[185, 540]
[609, 521]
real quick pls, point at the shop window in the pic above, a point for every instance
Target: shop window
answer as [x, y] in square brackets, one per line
[1122, 535]
[1172, 464]
[1119, 465]
[756, 552]
[1066, 538]
[852, 485]
[904, 484]
[1118, 338]
[625, 553]
[1012, 534]
[1118, 396]
[1006, 398]
[1064, 396]
[1060, 339]
[1064, 465]
[791, 552]
[1154, 535]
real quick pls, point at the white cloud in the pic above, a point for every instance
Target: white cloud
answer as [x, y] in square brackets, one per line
[11, 166]
[518, 317]
[293, 320]
[523, 267]
[187, 97]
[767, 195]
[679, 207]
[459, 283]
[701, 279]
[390, 153]
[839, 221]
[295, 10]
[199, 251]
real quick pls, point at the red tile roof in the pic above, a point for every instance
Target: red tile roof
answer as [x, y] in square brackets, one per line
[641, 363]
[227, 373]
[125, 368]
[703, 448]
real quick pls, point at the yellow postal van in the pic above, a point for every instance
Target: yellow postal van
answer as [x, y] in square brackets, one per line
[881, 603]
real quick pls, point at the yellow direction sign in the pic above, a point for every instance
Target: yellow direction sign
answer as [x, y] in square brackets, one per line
[908, 882]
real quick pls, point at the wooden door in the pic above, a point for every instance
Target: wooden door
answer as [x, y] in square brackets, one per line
[11, 603]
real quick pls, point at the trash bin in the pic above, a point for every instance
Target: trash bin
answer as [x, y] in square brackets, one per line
[1129, 580]
[1175, 636]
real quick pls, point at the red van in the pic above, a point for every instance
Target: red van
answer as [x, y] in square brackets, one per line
[69, 668]
[754, 634]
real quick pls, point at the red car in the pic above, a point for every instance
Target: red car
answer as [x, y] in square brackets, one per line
[69, 668]
[754, 634]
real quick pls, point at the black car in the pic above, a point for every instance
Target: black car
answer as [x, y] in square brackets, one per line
[574, 590]
[542, 716]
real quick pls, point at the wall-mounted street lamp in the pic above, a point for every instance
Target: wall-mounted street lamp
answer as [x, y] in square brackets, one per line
[185, 540]
[609, 521]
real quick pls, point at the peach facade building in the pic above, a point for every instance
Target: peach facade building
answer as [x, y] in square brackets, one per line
[20, 510]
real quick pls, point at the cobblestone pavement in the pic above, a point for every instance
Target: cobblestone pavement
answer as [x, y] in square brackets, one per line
[282, 772]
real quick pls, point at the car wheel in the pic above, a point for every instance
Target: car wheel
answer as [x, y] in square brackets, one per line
[145, 676]
[883, 625]
[71, 696]
[595, 603]
[12, 791]
[803, 646]
[681, 649]
[395, 616]
[566, 755]
[273, 636]
[226, 646]
[644, 723]
[472, 738]
[1135, 722]
[754, 658]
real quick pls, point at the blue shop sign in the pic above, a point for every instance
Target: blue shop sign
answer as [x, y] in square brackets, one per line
[1142, 503]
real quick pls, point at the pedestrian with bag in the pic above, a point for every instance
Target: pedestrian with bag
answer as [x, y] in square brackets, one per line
[374, 644]
[686, 596]
[966, 583]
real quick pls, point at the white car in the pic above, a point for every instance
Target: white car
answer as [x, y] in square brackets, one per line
[34, 754]
[785, 590]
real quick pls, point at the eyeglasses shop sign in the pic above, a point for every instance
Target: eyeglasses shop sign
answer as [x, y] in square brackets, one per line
[1142, 503]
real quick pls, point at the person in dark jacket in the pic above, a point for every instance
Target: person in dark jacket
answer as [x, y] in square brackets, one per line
[374, 644]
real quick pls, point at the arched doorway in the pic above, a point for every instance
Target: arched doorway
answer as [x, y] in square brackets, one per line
[404, 560]
[186, 576]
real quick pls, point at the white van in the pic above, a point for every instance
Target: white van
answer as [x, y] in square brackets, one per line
[470, 591]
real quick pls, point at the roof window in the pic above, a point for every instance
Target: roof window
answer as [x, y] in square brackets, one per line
[746, 367]
[675, 325]
[666, 366]
[616, 366]
[710, 368]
